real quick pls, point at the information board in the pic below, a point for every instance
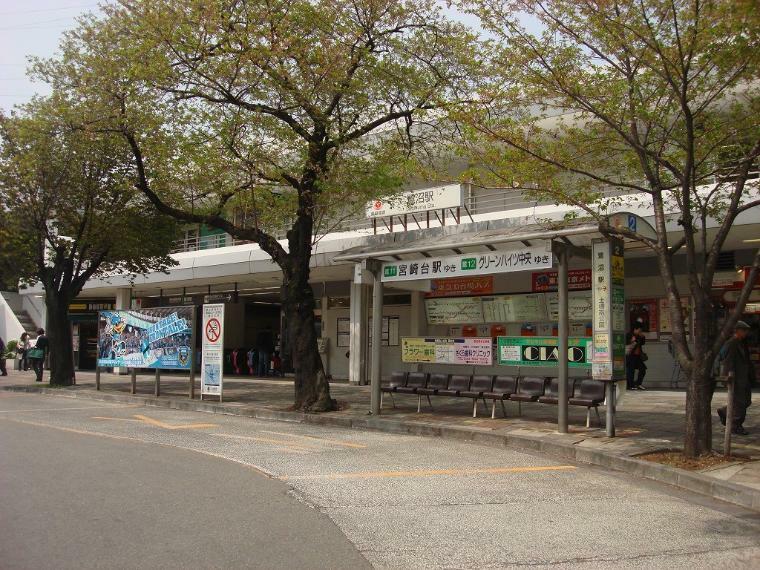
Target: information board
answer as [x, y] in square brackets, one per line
[542, 351]
[452, 311]
[514, 308]
[580, 306]
[473, 351]
[212, 370]
[159, 338]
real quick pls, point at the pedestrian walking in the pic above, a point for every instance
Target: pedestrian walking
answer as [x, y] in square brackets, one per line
[252, 361]
[37, 354]
[635, 358]
[735, 363]
[24, 344]
[3, 369]
[235, 361]
[264, 346]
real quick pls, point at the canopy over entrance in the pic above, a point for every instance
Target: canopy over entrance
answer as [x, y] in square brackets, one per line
[577, 234]
[544, 243]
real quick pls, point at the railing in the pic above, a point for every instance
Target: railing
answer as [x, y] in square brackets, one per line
[478, 201]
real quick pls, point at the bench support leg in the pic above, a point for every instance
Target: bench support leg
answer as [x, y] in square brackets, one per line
[493, 410]
[429, 402]
[393, 400]
[598, 417]
[474, 407]
[503, 408]
[419, 403]
[588, 417]
[381, 399]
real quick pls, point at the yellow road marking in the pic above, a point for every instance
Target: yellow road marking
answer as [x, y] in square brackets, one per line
[278, 442]
[321, 439]
[432, 472]
[156, 423]
[116, 419]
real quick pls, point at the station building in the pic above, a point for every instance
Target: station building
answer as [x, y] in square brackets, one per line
[430, 224]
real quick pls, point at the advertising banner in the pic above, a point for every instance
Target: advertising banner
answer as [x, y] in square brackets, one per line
[542, 351]
[546, 281]
[490, 263]
[146, 338]
[212, 370]
[473, 350]
[461, 286]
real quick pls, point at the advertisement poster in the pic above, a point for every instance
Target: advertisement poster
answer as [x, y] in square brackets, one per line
[146, 338]
[460, 286]
[542, 351]
[644, 311]
[666, 324]
[473, 351]
[546, 281]
[212, 369]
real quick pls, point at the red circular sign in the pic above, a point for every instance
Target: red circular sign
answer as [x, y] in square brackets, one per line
[213, 330]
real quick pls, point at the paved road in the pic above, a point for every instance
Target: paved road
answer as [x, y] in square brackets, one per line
[88, 484]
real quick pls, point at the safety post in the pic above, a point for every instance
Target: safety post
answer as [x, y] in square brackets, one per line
[729, 415]
[133, 389]
[157, 391]
[97, 377]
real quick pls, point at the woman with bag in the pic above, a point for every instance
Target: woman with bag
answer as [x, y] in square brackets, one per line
[24, 344]
[38, 353]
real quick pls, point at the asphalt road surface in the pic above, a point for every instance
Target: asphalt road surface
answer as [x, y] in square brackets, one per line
[87, 484]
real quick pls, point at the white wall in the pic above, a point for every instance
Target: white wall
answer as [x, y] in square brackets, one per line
[10, 327]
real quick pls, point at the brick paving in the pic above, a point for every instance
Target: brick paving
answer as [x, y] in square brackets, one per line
[646, 421]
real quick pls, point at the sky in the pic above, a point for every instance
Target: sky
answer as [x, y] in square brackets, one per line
[34, 28]
[31, 27]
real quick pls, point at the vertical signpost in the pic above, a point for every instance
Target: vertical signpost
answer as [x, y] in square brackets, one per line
[212, 370]
[608, 278]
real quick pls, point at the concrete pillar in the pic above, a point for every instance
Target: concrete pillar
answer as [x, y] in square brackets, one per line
[123, 302]
[377, 343]
[358, 335]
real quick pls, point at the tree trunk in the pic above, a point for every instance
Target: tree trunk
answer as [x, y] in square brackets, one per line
[698, 411]
[312, 390]
[59, 335]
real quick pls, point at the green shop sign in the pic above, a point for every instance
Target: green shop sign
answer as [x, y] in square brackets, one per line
[542, 351]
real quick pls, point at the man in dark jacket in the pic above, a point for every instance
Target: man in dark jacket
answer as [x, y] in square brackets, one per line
[736, 363]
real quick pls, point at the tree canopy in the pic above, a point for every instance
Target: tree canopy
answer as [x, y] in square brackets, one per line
[642, 103]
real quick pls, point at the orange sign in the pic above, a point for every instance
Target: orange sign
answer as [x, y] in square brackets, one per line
[457, 286]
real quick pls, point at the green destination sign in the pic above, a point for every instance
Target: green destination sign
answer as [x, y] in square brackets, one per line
[542, 351]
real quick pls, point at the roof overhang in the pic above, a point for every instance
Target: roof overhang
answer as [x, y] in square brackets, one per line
[577, 234]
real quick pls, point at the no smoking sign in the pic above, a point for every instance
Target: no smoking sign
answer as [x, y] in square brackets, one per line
[213, 330]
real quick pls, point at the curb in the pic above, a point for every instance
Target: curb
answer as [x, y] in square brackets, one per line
[686, 480]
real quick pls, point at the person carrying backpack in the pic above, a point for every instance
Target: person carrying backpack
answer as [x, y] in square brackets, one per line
[735, 362]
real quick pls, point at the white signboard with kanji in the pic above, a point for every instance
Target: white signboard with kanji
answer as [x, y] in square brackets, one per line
[212, 360]
[488, 263]
[426, 199]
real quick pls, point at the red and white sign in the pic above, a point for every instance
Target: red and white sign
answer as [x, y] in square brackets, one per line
[212, 361]
[577, 280]
[461, 286]
[436, 198]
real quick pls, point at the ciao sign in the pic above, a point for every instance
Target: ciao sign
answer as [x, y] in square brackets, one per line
[542, 351]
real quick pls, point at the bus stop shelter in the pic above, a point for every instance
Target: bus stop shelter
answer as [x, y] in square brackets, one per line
[495, 250]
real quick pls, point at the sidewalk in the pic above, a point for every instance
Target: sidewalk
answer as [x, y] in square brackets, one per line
[646, 421]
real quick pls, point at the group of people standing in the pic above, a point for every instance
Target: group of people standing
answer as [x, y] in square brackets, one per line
[259, 360]
[32, 354]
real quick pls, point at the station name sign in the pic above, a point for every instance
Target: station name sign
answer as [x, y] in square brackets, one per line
[437, 198]
[489, 263]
